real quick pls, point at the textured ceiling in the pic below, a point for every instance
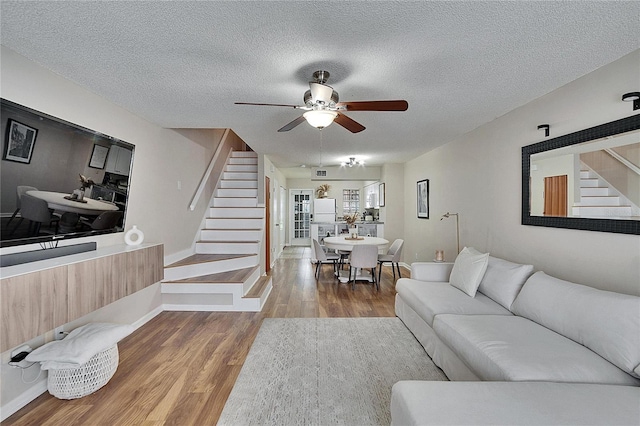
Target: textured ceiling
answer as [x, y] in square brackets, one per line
[458, 64]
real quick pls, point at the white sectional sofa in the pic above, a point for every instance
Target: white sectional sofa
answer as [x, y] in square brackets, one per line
[554, 352]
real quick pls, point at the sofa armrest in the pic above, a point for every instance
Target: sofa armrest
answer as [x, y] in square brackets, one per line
[431, 271]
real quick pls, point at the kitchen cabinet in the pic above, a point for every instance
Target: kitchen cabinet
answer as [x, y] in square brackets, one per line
[119, 160]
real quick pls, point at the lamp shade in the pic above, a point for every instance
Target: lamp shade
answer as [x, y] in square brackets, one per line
[320, 118]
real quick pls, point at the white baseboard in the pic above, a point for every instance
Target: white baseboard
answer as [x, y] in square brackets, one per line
[172, 258]
[148, 317]
[40, 387]
[23, 399]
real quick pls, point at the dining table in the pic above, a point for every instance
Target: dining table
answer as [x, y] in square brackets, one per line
[346, 243]
[87, 207]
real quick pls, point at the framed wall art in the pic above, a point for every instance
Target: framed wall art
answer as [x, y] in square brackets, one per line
[98, 156]
[423, 199]
[19, 142]
[381, 195]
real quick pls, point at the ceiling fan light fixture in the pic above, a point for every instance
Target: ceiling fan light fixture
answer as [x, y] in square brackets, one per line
[352, 162]
[320, 93]
[320, 118]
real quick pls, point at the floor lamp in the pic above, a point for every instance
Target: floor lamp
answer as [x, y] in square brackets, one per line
[447, 215]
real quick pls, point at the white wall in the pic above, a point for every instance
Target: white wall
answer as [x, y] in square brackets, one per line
[392, 214]
[479, 177]
[163, 157]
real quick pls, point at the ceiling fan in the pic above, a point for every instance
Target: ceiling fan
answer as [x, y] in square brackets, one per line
[323, 107]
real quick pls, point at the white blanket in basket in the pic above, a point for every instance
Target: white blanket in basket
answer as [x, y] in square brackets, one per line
[79, 346]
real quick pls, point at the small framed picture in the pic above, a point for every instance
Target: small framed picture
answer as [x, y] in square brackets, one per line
[381, 194]
[98, 156]
[423, 199]
[19, 142]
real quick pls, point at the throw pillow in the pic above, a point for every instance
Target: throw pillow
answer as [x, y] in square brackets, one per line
[503, 280]
[468, 270]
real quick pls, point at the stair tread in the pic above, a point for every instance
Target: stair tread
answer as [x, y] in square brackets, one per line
[228, 242]
[234, 218]
[231, 229]
[605, 206]
[229, 277]
[194, 259]
[258, 288]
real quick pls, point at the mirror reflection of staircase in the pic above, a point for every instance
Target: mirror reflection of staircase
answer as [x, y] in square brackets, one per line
[224, 272]
[599, 199]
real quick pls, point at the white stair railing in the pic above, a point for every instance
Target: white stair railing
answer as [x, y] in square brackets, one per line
[623, 160]
[207, 173]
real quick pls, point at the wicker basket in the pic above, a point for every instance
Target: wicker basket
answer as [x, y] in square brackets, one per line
[86, 379]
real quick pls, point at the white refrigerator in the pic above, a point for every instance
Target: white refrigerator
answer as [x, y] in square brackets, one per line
[324, 210]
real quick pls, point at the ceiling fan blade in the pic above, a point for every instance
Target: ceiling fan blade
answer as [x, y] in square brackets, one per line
[398, 105]
[291, 125]
[349, 124]
[280, 105]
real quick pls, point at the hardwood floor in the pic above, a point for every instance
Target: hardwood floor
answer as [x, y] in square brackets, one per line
[179, 368]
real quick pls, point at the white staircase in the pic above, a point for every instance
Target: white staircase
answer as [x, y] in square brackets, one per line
[224, 272]
[599, 200]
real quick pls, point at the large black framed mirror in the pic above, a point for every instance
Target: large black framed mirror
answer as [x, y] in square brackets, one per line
[587, 180]
[43, 196]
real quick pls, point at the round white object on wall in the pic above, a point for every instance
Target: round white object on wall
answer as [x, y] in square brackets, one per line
[134, 236]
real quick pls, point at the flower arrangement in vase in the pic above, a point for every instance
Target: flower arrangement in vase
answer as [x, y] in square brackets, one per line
[322, 190]
[351, 220]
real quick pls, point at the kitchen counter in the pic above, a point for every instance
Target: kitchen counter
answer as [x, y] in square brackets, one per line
[326, 229]
[342, 222]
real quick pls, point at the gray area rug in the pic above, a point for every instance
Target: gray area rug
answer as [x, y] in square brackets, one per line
[322, 371]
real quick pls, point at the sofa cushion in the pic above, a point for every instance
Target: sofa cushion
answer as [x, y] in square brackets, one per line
[503, 280]
[513, 403]
[468, 270]
[429, 299]
[511, 348]
[608, 323]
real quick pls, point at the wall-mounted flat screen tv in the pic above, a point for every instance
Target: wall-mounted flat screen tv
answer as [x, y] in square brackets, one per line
[59, 180]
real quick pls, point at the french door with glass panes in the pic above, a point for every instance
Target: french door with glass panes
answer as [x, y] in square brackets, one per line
[300, 219]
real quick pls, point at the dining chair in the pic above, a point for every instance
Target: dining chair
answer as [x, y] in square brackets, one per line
[105, 220]
[393, 256]
[37, 212]
[20, 191]
[364, 257]
[320, 256]
[68, 223]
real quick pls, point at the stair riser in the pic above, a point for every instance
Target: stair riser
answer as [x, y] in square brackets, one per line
[206, 302]
[233, 223]
[189, 271]
[239, 212]
[622, 211]
[589, 183]
[239, 176]
[235, 202]
[247, 161]
[239, 154]
[585, 174]
[248, 184]
[243, 168]
[599, 201]
[224, 248]
[236, 192]
[594, 192]
[230, 235]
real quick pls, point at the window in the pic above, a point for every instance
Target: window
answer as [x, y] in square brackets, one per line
[350, 201]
